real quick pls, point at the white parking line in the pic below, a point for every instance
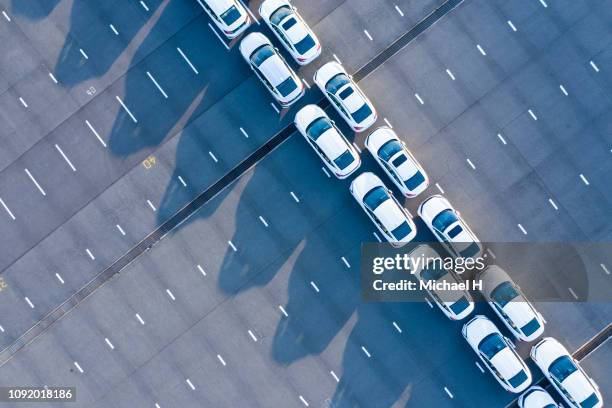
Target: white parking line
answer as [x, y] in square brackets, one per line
[108, 342]
[218, 36]
[543, 3]
[6, 16]
[314, 286]
[482, 51]
[144, 5]
[187, 60]
[450, 74]
[416, 95]
[584, 179]
[35, 182]
[65, 157]
[326, 172]
[479, 367]
[550, 200]
[605, 269]
[399, 11]
[297, 200]
[357, 147]
[252, 336]
[388, 123]
[512, 25]
[170, 294]
[52, 77]
[306, 83]
[263, 221]
[83, 53]
[120, 229]
[522, 229]
[29, 302]
[563, 90]
[95, 133]
[337, 59]
[594, 66]
[573, 293]
[126, 109]
[93, 258]
[202, 271]
[397, 327]
[78, 366]
[303, 400]
[274, 107]
[1, 329]
[348, 265]
[500, 137]
[439, 188]
[450, 394]
[283, 311]
[366, 352]
[190, 384]
[7, 209]
[182, 181]
[59, 278]
[212, 155]
[244, 133]
[112, 27]
[23, 102]
[533, 115]
[157, 405]
[140, 319]
[151, 205]
[221, 359]
[376, 236]
[231, 244]
[368, 35]
[334, 375]
[471, 164]
[491, 253]
[157, 85]
[429, 303]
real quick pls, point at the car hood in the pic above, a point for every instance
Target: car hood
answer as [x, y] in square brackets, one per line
[354, 100]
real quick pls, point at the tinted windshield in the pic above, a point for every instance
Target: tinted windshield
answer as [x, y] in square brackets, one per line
[287, 86]
[318, 127]
[491, 345]
[389, 149]
[504, 293]
[590, 402]
[375, 197]
[562, 367]
[518, 379]
[402, 231]
[344, 160]
[304, 44]
[279, 15]
[531, 327]
[460, 305]
[337, 82]
[261, 54]
[444, 219]
[230, 16]
[415, 181]
[362, 113]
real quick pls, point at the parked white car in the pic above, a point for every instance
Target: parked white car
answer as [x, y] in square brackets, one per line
[396, 160]
[456, 305]
[497, 353]
[321, 133]
[271, 69]
[566, 375]
[228, 15]
[536, 397]
[386, 213]
[345, 96]
[291, 30]
[448, 227]
[510, 304]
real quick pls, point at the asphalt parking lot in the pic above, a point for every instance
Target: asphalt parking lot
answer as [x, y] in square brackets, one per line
[504, 104]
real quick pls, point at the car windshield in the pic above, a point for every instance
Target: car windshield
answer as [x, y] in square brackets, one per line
[518, 379]
[287, 86]
[318, 127]
[389, 149]
[415, 181]
[460, 305]
[375, 197]
[360, 114]
[590, 402]
[337, 82]
[531, 327]
[305, 44]
[504, 293]
[344, 160]
[433, 271]
[261, 54]
[491, 345]
[402, 231]
[470, 251]
[444, 219]
[230, 16]
[561, 368]
[279, 15]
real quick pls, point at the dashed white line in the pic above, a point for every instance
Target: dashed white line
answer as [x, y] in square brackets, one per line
[52, 77]
[479, 367]
[218, 36]
[429, 303]
[202, 271]
[187, 60]
[388, 123]
[126, 109]
[416, 95]
[500, 137]
[337, 59]
[231, 244]
[170, 294]
[482, 51]
[511, 24]
[182, 181]
[190, 384]
[212, 155]
[491, 253]
[594, 66]
[450, 394]
[376, 236]
[221, 359]
[144, 5]
[274, 107]
[368, 35]
[59, 149]
[120, 229]
[399, 330]
[35, 182]
[151, 205]
[334, 375]
[326, 172]
[90, 254]
[112, 27]
[140, 319]
[303, 401]
[252, 336]
[7, 209]
[6, 16]
[29, 302]
[471, 164]
[563, 90]
[365, 351]
[83, 53]
[533, 115]
[283, 311]
[244, 133]
[95, 133]
[357, 147]
[543, 3]
[348, 265]
[157, 85]
[306, 83]
[554, 205]
[59, 278]
[584, 179]
[263, 221]
[605, 269]
[1, 329]
[439, 188]
[399, 11]
[450, 74]
[523, 230]
[157, 405]
[23, 102]
[108, 342]
[297, 200]
[314, 286]
[78, 367]
[573, 293]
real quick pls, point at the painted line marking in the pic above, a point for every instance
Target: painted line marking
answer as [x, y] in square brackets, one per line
[303, 400]
[428, 302]
[326, 172]
[35, 182]
[231, 244]
[533, 116]
[399, 11]
[59, 278]
[471, 164]
[543, 3]
[108, 342]
[482, 51]
[93, 258]
[366, 352]
[65, 157]
[416, 95]
[550, 200]
[95, 133]
[151, 205]
[52, 77]
[479, 367]
[500, 137]
[573, 293]
[450, 74]
[439, 188]
[83, 53]
[594, 66]
[6, 16]
[182, 181]
[584, 179]
[190, 384]
[348, 265]
[283, 311]
[297, 200]
[605, 269]
[112, 27]
[202, 271]
[368, 35]
[187, 60]
[357, 147]
[512, 25]
[306, 83]
[212, 155]
[23, 102]
[522, 229]
[337, 59]
[120, 229]
[263, 221]
[399, 330]
[450, 394]
[144, 5]
[157, 85]
[1, 329]
[7, 209]
[126, 109]
[249, 11]
[157, 405]
[388, 123]
[218, 36]
[29, 302]
[170, 294]
[376, 236]
[314, 286]
[563, 90]
[274, 107]
[491, 253]
[252, 336]
[140, 319]
[244, 133]
[221, 359]
[334, 375]
[78, 367]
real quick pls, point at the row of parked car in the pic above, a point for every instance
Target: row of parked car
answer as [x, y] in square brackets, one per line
[505, 297]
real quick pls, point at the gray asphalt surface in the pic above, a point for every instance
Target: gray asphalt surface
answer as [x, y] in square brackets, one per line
[197, 326]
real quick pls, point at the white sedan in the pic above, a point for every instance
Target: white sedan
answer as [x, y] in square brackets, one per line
[396, 160]
[510, 304]
[448, 227]
[229, 16]
[497, 353]
[271, 69]
[345, 96]
[338, 154]
[291, 30]
[536, 397]
[566, 375]
[457, 304]
[382, 208]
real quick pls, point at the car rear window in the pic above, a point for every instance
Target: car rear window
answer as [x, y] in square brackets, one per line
[460, 305]
[344, 160]
[387, 150]
[470, 251]
[562, 367]
[531, 327]
[362, 113]
[305, 44]
[230, 16]
[402, 231]
[375, 197]
[287, 86]
[518, 379]
[590, 402]
[415, 181]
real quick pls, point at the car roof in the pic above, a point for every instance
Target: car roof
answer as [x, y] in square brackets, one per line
[274, 69]
[578, 385]
[331, 143]
[298, 31]
[220, 6]
[389, 214]
[507, 363]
